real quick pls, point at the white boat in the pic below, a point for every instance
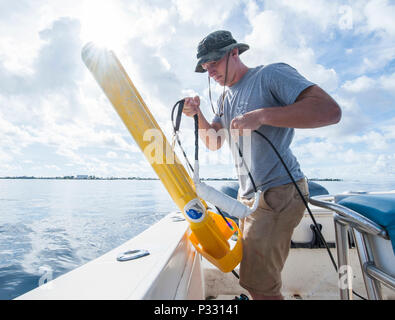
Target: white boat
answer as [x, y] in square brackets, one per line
[173, 270]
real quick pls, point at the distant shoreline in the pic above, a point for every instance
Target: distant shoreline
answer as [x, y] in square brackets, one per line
[131, 178]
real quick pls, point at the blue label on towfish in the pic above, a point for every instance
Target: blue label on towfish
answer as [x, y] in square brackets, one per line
[194, 214]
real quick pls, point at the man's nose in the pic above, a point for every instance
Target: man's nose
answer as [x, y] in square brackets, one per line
[211, 71]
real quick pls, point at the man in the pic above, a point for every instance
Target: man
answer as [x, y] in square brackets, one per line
[272, 99]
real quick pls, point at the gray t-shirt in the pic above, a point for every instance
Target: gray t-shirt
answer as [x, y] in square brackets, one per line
[274, 85]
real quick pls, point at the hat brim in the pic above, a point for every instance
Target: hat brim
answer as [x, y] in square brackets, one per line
[218, 54]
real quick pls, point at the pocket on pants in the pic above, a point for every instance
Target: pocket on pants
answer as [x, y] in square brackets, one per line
[277, 198]
[304, 189]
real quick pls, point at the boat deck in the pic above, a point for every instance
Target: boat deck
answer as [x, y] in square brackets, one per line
[316, 281]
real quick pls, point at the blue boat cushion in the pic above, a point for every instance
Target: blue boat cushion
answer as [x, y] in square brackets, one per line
[316, 189]
[378, 208]
[230, 189]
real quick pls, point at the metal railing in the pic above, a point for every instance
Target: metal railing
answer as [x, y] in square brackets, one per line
[362, 228]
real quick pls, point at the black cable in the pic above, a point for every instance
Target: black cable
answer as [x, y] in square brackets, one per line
[176, 127]
[196, 120]
[248, 170]
[301, 196]
[195, 117]
[249, 173]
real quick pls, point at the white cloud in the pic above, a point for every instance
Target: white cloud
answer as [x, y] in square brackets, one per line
[205, 12]
[111, 155]
[372, 140]
[380, 16]
[360, 84]
[365, 83]
[387, 82]
[322, 13]
[269, 39]
[50, 103]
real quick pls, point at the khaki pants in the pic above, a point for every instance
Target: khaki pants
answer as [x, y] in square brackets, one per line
[267, 237]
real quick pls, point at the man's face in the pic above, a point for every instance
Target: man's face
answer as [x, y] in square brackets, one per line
[217, 69]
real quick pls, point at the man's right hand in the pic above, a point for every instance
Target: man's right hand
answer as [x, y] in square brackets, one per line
[207, 132]
[191, 106]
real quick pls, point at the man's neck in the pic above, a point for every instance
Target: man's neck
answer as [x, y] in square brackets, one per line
[241, 70]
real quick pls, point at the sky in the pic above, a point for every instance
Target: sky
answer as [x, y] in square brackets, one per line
[56, 121]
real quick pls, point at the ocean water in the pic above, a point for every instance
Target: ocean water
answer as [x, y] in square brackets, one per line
[49, 227]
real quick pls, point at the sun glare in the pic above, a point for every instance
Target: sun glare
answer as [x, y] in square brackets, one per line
[101, 23]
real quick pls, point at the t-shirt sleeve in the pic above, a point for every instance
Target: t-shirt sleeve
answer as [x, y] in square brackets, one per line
[286, 83]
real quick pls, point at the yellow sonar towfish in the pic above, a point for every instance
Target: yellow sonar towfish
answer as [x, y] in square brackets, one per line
[209, 233]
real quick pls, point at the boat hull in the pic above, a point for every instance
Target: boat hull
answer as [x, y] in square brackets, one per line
[175, 271]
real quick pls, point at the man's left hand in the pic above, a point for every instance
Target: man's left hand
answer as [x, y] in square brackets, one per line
[245, 123]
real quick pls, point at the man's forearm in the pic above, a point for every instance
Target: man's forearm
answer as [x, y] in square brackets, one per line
[203, 123]
[308, 113]
[313, 108]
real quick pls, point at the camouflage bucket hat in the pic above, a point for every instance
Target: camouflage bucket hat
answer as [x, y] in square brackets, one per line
[215, 46]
